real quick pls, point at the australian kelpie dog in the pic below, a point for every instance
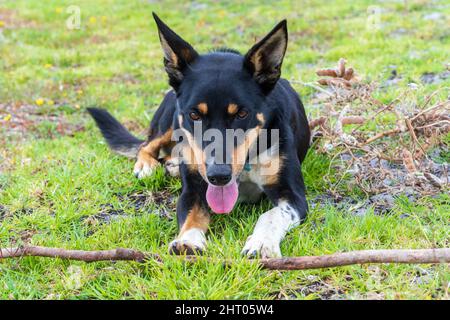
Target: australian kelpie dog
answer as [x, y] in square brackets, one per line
[219, 92]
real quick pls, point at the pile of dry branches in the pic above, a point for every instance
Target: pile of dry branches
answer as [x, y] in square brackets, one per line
[387, 148]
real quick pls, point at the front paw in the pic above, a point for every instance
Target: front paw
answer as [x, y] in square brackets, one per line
[261, 246]
[181, 247]
[143, 169]
[191, 242]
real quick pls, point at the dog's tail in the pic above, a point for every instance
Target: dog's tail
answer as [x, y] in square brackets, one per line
[119, 139]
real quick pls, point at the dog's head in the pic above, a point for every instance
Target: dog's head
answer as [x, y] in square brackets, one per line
[219, 91]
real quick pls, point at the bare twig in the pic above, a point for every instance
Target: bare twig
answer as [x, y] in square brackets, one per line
[289, 263]
[338, 127]
[359, 257]
[382, 109]
[436, 106]
[381, 135]
[311, 85]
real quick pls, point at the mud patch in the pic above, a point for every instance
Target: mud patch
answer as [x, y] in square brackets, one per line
[137, 128]
[125, 78]
[12, 20]
[6, 213]
[107, 214]
[380, 204]
[22, 237]
[3, 212]
[314, 288]
[423, 275]
[162, 203]
[21, 121]
[24, 212]
[433, 78]
[322, 291]
[393, 79]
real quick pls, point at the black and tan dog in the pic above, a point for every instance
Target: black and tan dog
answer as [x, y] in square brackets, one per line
[225, 90]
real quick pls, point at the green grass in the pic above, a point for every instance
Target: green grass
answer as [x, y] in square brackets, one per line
[53, 183]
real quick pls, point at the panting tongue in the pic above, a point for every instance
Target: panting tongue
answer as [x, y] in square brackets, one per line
[222, 199]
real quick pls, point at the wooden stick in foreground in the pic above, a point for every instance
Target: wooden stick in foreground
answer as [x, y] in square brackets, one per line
[288, 263]
[359, 257]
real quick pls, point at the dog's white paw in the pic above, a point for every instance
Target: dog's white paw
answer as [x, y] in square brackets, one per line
[173, 167]
[142, 169]
[261, 245]
[192, 241]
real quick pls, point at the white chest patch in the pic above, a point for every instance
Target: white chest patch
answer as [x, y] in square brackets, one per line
[263, 167]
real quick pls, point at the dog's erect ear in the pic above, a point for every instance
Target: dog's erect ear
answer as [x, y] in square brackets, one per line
[177, 52]
[264, 59]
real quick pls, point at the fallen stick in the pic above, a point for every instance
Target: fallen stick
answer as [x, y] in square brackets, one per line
[82, 255]
[288, 263]
[413, 256]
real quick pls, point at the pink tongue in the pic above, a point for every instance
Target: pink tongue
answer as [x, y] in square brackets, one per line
[222, 199]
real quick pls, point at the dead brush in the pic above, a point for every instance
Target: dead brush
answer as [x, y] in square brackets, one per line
[387, 148]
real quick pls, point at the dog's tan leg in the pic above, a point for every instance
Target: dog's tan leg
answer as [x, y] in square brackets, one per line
[191, 238]
[147, 158]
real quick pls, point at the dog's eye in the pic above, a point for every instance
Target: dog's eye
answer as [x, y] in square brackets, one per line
[194, 116]
[242, 114]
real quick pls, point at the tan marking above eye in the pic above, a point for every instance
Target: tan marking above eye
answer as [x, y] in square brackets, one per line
[260, 117]
[203, 108]
[232, 109]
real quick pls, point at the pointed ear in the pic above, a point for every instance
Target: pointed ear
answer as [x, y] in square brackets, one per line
[264, 59]
[177, 53]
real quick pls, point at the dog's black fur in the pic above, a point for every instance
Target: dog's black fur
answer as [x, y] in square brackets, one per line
[219, 79]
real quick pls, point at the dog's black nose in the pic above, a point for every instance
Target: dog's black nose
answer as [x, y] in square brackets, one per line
[219, 174]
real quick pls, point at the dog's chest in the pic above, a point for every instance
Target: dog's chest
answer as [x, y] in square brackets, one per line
[252, 175]
[255, 176]
[250, 188]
